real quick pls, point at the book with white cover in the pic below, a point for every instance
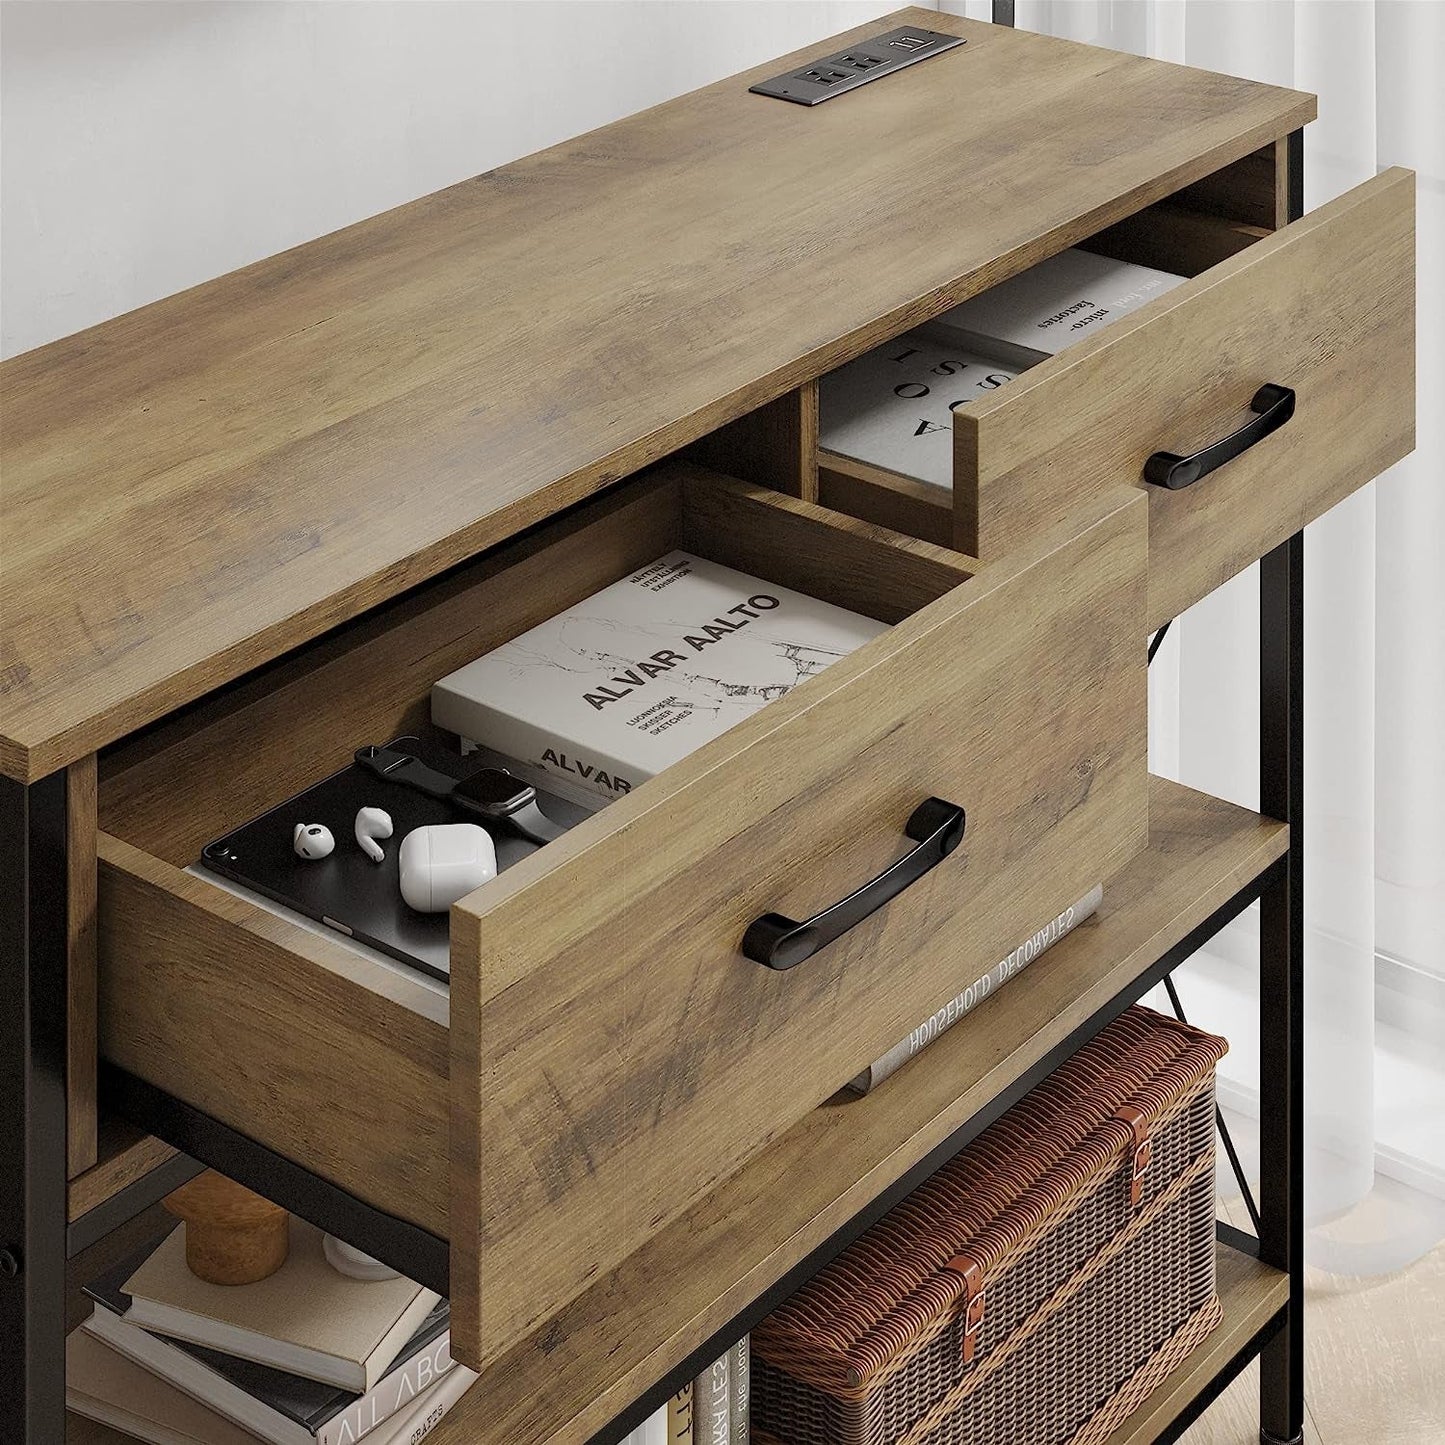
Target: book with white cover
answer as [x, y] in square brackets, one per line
[103, 1384]
[280, 1408]
[893, 407]
[1050, 306]
[307, 1319]
[652, 1431]
[617, 688]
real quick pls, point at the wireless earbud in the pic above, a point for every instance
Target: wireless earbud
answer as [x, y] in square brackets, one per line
[312, 840]
[371, 824]
[445, 862]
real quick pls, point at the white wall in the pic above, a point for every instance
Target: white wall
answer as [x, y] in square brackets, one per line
[147, 146]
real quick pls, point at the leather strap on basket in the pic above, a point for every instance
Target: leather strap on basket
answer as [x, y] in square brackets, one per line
[970, 1271]
[1137, 1122]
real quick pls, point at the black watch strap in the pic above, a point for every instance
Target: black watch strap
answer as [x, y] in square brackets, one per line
[399, 767]
[529, 821]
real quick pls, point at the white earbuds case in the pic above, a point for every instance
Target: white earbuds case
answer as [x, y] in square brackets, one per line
[443, 863]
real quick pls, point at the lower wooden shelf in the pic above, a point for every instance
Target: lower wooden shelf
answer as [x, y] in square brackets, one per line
[1252, 1294]
[701, 1272]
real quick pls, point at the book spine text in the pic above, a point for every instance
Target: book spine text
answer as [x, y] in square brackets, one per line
[395, 1392]
[965, 1002]
[712, 1404]
[739, 1383]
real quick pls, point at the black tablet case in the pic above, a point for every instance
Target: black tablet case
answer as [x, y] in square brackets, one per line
[347, 891]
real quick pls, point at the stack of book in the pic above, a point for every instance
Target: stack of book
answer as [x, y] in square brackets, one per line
[604, 695]
[307, 1356]
[893, 408]
[713, 1410]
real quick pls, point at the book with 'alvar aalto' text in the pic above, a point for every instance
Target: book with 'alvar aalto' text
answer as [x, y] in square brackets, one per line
[620, 686]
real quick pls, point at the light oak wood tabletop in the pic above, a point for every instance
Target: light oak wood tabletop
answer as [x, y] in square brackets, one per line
[196, 487]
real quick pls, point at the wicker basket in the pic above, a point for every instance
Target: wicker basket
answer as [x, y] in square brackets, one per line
[1036, 1288]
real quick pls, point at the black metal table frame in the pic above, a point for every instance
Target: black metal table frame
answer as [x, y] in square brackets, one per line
[36, 1241]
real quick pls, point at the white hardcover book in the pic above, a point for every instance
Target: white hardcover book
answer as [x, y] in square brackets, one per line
[305, 1319]
[427, 1412]
[393, 1396]
[893, 407]
[105, 1386]
[1052, 305]
[617, 688]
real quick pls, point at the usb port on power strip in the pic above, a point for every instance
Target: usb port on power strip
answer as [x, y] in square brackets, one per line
[836, 74]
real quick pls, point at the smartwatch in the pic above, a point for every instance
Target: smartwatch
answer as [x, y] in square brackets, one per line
[493, 794]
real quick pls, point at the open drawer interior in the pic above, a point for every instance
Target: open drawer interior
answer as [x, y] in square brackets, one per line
[608, 1054]
[1250, 370]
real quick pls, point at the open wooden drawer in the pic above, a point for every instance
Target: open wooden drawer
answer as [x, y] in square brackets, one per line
[1324, 307]
[608, 1054]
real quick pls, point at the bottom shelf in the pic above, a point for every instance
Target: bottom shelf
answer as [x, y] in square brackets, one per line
[1252, 1294]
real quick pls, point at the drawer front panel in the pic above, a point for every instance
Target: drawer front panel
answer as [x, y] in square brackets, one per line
[614, 1054]
[275, 1031]
[1325, 307]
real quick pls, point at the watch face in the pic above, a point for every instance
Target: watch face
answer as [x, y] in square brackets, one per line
[495, 791]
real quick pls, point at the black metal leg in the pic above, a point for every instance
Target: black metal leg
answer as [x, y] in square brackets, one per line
[1281, 1018]
[1281, 1014]
[33, 940]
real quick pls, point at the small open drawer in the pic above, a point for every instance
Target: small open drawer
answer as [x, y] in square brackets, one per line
[1324, 308]
[608, 1053]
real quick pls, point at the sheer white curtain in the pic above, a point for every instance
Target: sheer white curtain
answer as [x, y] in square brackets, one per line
[1375, 657]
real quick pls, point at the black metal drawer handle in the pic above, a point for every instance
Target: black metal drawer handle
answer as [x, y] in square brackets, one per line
[1273, 405]
[778, 942]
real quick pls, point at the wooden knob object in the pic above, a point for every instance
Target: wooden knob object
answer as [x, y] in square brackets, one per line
[232, 1235]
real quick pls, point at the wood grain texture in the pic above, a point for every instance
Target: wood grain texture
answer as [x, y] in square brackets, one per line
[280, 732]
[1251, 1293]
[1326, 306]
[284, 447]
[80, 902]
[123, 1155]
[254, 1018]
[890, 499]
[631, 1326]
[777, 445]
[1189, 232]
[283, 1034]
[631, 1058]
[169, 793]
[839, 559]
[1373, 1346]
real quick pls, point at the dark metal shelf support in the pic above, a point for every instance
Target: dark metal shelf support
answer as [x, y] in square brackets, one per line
[34, 935]
[1281, 953]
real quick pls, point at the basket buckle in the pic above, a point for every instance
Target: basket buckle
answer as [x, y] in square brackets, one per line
[971, 1272]
[1143, 1153]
